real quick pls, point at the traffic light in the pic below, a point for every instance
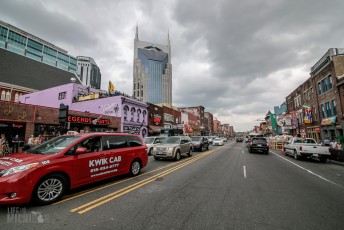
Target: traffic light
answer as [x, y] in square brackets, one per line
[63, 113]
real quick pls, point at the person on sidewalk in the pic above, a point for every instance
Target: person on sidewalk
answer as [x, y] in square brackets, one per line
[15, 142]
[333, 144]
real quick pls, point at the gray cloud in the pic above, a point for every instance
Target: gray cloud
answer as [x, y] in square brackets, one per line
[238, 59]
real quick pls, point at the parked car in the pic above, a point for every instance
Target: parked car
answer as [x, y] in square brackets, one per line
[151, 142]
[224, 139]
[210, 139]
[218, 141]
[306, 148]
[258, 144]
[200, 143]
[46, 172]
[173, 148]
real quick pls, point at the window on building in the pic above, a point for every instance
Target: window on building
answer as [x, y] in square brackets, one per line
[329, 80]
[168, 117]
[324, 85]
[319, 88]
[334, 108]
[62, 95]
[312, 93]
[125, 111]
[315, 117]
[328, 109]
[299, 100]
[8, 96]
[16, 97]
[322, 111]
[3, 95]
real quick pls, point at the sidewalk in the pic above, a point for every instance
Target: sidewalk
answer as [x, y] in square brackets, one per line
[278, 151]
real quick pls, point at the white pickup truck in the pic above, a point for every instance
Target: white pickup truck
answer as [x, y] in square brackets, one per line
[308, 147]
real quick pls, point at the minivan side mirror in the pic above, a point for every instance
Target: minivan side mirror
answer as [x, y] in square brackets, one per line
[81, 150]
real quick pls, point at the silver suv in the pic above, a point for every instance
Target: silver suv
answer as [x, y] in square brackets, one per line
[151, 142]
[173, 147]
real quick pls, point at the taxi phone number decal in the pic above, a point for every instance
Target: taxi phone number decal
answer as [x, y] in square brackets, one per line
[100, 165]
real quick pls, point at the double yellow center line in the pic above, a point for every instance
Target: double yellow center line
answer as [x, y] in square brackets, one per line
[102, 200]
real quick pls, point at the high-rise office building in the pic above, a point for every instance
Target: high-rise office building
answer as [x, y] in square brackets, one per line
[89, 72]
[29, 64]
[18, 41]
[152, 74]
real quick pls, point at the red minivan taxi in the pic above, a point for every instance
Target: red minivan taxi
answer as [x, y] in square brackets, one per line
[44, 173]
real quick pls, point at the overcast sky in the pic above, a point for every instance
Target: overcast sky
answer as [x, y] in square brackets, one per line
[238, 59]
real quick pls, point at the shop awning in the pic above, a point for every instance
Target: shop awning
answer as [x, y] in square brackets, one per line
[328, 121]
[155, 129]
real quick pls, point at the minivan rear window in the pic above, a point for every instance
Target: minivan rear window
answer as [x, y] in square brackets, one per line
[114, 142]
[134, 141]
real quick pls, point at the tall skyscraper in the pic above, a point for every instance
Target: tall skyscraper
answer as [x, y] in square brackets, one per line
[89, 72]
[152, 74]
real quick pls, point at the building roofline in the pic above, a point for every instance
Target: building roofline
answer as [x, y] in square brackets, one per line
[16, 29]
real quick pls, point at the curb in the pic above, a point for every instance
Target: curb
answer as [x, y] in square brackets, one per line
[336, 162]
[328, 160]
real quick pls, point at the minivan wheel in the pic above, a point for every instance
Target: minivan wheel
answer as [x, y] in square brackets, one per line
[150, 152]
[177, 157]
[135, 168]
[49, 189]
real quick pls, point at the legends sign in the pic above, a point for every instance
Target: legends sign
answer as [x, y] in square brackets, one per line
[88, 120]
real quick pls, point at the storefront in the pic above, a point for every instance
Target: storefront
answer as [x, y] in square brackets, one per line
[88, 124]
[313, 132]
[11, 129]
[14, 119]
[330, 129]
[25, 120]
[154, 130]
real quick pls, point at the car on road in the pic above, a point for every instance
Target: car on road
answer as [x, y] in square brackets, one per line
[151, 142]
[43, 174]
[218, 141]
[210, 139]
[200, 143]
[224, 139]
[173, 148]
[239, 139]
[258, 144]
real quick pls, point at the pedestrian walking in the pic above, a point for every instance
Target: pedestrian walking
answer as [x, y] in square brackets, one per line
[31, 141]
[4, 146]
[15, 142]
[335, 144]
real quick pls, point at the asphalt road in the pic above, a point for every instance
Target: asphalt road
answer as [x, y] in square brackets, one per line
[223, 188]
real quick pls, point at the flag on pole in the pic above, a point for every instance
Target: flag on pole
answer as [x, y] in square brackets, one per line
[111, 87]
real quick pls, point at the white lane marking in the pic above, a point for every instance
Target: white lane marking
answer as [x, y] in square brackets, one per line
[307, 170]
[244, 171]
[243, 151]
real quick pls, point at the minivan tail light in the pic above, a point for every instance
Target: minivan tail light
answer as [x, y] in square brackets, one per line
[300, 148]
